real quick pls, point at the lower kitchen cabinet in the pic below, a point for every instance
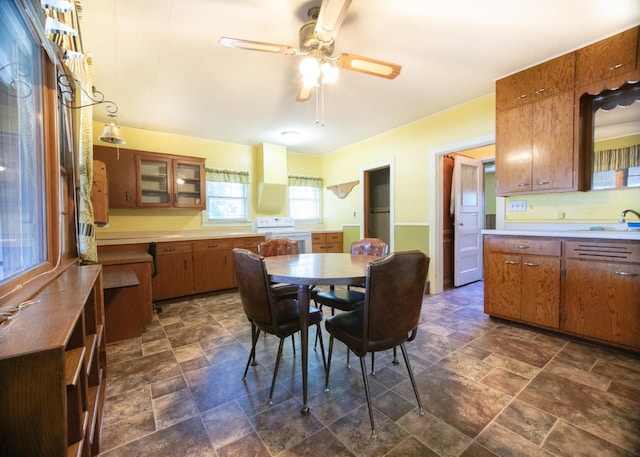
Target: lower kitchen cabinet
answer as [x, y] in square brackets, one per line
[522, 279]
[175, 270]
[213, 265]
[602, 291]
[323, 242]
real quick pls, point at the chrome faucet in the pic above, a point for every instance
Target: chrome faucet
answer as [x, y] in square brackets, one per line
[624, 214]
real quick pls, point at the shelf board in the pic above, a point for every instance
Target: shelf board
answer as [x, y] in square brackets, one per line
[73, 359]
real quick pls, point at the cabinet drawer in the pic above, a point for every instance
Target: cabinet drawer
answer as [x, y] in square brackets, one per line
[518, 245]
[318, 237]
[174, 247]
[601, 250]
[212, 245]
[250, 243]
[333, 237]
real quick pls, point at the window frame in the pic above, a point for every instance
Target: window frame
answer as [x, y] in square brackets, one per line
[206, 222]
[317, 220]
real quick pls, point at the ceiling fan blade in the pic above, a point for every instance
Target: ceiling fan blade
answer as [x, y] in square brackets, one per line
[304, 93]
[249, 45]
[332, 13]
[368, 65]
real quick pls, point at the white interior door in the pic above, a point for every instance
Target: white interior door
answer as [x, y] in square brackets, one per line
[468, 203]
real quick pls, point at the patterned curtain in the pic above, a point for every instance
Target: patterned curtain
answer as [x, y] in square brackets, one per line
[305, 181]
[215, 175]
[617, 159]
[82, 69]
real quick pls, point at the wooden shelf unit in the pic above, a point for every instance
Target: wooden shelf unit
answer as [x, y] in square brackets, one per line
[53, 369]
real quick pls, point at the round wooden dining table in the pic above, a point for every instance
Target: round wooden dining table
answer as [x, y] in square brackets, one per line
[307, 270]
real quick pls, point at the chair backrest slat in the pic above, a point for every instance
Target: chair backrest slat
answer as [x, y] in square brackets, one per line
[278, 246]
[370, 246]
[253, 286]
[393, 295]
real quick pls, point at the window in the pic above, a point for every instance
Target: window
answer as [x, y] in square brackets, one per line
[23, 226]
[227, 195]
[305, 198]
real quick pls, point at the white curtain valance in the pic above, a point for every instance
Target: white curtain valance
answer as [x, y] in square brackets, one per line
[617, 159]
[305, 181]
[216, 175]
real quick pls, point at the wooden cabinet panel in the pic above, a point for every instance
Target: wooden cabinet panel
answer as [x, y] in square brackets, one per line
[514, 150]
[121, 175]
[175, 270]
[522, 279]
[607, 58]
[213, 265]
[541, 290]
[552, 153]
[154, 181]
[189, 183]
[602, 300]
[327, 242]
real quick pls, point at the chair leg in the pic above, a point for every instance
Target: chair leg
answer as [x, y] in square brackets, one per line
[319, 335]
[252, 354]
[395, 356]
[275, 372]
[253, 361]
[366, 391]
[373, 361]
[326, 375]
[413, 381]
[293, 344]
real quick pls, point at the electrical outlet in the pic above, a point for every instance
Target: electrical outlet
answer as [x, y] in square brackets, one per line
[518, 205]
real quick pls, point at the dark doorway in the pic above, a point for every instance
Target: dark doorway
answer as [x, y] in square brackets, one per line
[377, 204]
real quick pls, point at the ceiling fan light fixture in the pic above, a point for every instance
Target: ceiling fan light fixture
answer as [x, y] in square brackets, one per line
[310, 70]
[329, 73]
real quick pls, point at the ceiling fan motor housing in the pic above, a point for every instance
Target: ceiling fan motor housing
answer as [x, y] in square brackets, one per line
[309, 42]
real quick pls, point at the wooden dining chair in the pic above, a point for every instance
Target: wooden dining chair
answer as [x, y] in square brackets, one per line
[394, 290]
[277, 316]
[280, 246]
[349, 299]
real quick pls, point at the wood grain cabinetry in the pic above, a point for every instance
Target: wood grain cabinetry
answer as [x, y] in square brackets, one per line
[213, 265]
[174, 270]
[607, 58]
[121, 175]
[53, 370]
[522, 279]
[139, 179]
[534, 130]
[326, 242]
[601, 297]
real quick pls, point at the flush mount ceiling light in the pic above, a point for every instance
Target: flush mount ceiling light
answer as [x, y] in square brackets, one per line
[290, 136]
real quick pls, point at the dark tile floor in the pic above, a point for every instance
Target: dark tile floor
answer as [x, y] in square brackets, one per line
[489, 388]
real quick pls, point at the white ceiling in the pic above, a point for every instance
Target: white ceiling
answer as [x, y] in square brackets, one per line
[161, 62]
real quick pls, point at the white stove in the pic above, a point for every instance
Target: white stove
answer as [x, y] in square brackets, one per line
[283, 227]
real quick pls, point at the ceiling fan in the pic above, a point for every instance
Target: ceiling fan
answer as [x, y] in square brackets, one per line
[317, 42]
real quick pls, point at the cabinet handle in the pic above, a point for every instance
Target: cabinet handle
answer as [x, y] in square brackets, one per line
[625, 273]
[511, 262]
[520, 97]
[169, 249]
[541, 91]
[126, 195]
[616, 66]
[212, 245]
[542, 183]
[521, 246]
[524, 184]
[529, 264]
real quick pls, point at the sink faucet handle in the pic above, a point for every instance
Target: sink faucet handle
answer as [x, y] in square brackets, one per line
[624, 214]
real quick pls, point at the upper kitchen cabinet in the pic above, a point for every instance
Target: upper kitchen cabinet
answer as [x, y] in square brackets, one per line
[121, 175]
[534, 129]
[535, 83]
[139, 179]
[607, 58]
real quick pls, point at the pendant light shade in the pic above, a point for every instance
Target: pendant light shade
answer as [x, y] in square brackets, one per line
[111, 134]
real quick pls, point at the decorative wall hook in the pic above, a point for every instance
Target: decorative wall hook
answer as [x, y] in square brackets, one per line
[65, 83]
[342, 190]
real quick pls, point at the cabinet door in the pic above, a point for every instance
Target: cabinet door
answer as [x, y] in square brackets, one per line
[189, 184]
[154, 183]
[602, 300]
[513, 150]
[552, 153]
[502, 295]
[121, 175]
[541, 290]
[606, 58]
[212, 265]
[175, 276]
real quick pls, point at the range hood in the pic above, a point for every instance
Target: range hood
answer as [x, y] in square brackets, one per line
[272, 178]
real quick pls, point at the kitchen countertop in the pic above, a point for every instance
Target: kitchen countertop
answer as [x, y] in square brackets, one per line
[612, 231]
